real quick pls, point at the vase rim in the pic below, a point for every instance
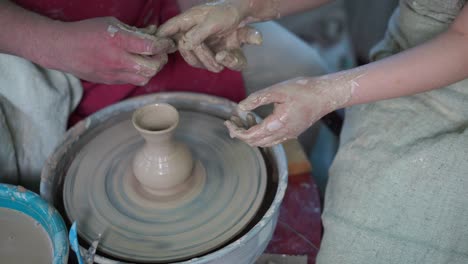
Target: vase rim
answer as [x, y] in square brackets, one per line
[164, 118]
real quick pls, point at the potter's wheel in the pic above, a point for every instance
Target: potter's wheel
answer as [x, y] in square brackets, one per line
[103, 196]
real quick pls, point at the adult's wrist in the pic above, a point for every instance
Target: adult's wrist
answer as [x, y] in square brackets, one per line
[243, 7]
[44, 37]
[261, 10]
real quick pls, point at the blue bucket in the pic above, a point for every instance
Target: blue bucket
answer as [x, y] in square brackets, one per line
[19, 199]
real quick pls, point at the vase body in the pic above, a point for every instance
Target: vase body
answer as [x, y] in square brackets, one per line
[162, 164]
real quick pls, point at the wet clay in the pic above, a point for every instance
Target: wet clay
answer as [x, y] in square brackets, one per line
[23, 239]
[163, 164]
[223, 193]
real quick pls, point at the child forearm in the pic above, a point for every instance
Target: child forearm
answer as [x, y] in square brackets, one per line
[432, 65]
[300, 102]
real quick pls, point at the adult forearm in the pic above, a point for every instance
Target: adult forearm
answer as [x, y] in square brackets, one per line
[435, 64]
[23, 32]
[283, 7]
[186, 4]
[290, 7]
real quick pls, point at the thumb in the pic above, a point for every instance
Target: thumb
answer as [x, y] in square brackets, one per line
[177, 24]
[249, 35]
[199, 33]
[150, 29]
[233, 59]
[263, 97]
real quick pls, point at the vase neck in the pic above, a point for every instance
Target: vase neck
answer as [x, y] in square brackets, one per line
[162, 140]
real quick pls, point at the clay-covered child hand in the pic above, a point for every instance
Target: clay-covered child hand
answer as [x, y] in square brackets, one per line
[105, 50]
[210, 35]
[298, 103]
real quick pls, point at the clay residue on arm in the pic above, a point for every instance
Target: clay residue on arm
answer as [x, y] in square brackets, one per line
[298, 103]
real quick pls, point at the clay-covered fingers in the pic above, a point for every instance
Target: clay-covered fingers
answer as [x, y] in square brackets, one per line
[218, 19]
[149, 66]
[237, 121]
[207, 58]
[200, 57]
[232, 59]
[180, 23]
[234, 128]
[210, 21]
[144, 66]
[148, 45]
[275, 130]
[263, 97]
[254, 135]
[195, 26]
[129, 78]
[229, 52]
[249, 121]
[271, 131]
[198, 24]
[204, 42]
[249, 35]
[198, 34]
[150, 29]
[270, 142]
[191, 58]
[137, 41]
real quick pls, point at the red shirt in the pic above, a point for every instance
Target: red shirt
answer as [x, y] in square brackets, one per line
[177, 75]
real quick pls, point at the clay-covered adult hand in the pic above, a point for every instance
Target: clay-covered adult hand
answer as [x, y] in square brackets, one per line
[105, 50]
[220, 51]
[298, 103]
[210, 35]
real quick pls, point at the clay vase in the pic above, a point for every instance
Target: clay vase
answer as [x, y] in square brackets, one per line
[162, 164]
